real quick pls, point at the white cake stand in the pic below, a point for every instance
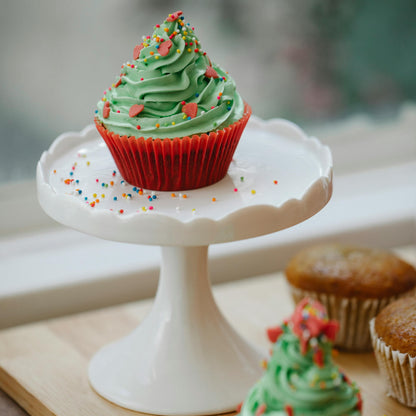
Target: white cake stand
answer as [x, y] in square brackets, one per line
[184, 358]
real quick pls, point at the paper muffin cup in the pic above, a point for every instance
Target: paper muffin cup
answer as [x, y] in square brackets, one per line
[398, 369]
[352, 314]
[181, 163]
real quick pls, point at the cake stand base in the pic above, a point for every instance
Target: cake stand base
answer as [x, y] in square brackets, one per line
[184, 358]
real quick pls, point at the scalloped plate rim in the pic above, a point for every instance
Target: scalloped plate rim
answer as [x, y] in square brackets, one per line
[323, 183]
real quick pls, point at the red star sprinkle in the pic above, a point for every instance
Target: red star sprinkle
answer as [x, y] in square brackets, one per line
[174, 16]
[359, 402]
[135, 110]
[106, 109]
[289, 410]
[318, 358]
[346, 379]
[136, 51]
[117, 83]
[274, 333]
[211, 72]
[331, 329]
[164, 47]
[261, 410]
[190, 109]
[239, 406]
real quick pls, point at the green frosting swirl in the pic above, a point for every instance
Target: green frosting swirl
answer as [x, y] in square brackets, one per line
[301, 377]
[163, 82]
[293, 379]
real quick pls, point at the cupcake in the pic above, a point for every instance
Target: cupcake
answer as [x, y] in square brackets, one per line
[353, 283]
[173, 118]
[393, 334]
[301, 377]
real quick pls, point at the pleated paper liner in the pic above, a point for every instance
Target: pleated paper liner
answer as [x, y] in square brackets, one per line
[398, 369]
[175, 164]
[353, 315]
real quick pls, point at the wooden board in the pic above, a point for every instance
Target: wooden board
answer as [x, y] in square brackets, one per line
[43, 366]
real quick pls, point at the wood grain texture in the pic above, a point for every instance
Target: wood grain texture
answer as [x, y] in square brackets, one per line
[43, 366]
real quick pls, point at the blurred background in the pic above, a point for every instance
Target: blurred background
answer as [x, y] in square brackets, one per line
[313, 62]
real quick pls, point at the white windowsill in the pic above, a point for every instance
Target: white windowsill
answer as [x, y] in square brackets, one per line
[47, 270]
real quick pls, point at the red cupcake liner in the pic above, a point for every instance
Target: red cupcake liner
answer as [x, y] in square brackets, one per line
[175, 164]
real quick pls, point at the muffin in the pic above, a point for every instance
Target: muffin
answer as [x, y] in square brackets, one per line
[353, 283]
[393, 334]
[301, 377]
[172, 119]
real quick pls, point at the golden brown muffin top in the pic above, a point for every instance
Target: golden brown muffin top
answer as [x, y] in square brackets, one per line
[396, 325]
[349, 271]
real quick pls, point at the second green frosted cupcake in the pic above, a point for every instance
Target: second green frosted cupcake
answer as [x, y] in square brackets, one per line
[301, 377]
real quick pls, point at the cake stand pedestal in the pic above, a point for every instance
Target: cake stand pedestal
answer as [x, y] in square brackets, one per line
[184, 358]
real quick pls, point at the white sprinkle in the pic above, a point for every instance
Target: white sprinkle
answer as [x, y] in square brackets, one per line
[294, 377]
